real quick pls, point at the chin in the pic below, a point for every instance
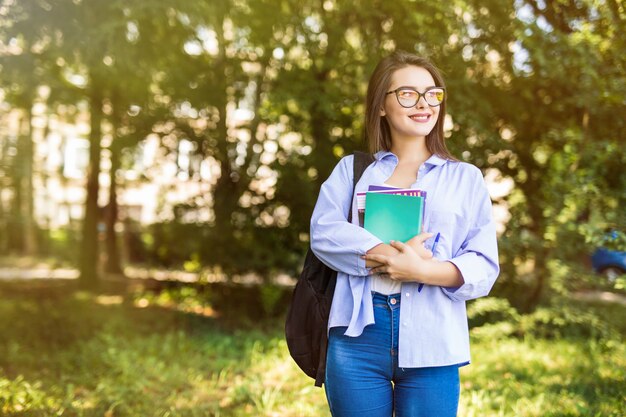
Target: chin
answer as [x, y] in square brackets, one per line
[424, 131]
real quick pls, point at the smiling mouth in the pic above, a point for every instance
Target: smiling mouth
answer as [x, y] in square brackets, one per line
[421, 118]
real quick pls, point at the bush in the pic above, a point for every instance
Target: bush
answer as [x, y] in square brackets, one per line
[495, 318]
[21, 396]
[490, 310]
[563, 321]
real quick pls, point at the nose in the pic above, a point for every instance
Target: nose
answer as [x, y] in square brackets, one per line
[421, 102]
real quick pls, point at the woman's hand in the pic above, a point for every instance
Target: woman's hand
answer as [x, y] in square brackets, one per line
[417, 244]
[380, 249]
[413, 262]
[408, 264]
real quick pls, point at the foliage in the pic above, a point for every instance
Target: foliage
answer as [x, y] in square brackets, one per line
[270, 95]
[73, 353]
[490, 310]
[201, 246]
[494, 318]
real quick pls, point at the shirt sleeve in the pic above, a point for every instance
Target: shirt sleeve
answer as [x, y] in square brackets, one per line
[335, 241]
[477, 259]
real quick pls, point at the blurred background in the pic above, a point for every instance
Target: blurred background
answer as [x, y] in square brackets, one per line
[167, 154]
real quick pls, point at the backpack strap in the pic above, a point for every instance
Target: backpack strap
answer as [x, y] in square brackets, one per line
[361, 161]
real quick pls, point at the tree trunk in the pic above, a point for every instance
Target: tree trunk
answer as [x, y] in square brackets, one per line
[113, 264]
[23, 230]
[226, 192]
[541, 273]
[4, 231]
[322, 156]
[16, 222]
[30, 226]
[535, 209]
[88, 262]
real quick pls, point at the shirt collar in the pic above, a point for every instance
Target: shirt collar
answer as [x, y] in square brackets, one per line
[434, 160]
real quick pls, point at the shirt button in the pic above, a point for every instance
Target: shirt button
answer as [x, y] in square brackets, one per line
[393, 301]
[408, 294]
[404, 323]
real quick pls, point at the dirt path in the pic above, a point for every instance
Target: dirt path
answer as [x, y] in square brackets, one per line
[603, 296]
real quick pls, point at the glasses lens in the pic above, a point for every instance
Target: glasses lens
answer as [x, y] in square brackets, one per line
[407, 98]
[434, 96]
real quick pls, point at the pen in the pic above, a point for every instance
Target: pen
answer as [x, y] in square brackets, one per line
[432, 249]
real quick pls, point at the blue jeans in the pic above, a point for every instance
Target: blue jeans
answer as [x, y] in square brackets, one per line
[363, 378]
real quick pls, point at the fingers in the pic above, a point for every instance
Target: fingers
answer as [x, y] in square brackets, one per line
[381, 259]
[396, 244]
[417, 244]
[374, 260]
[421, 238]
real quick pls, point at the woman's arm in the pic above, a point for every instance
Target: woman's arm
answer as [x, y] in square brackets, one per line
[470, 271]
[335, 241]
[408, 265]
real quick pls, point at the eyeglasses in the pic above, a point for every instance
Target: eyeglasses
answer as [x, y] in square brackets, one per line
[408, 97]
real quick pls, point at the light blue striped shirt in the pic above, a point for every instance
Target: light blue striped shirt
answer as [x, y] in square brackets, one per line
[433, 322]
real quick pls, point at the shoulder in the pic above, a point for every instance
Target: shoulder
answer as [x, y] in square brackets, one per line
[345, 164]
[468, 179]
[343, 170]
[465, 169]
[347, 160]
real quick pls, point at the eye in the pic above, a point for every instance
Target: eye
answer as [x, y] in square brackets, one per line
[435, 94]
[407, 94]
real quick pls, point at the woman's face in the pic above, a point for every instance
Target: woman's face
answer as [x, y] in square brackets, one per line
[412, 122]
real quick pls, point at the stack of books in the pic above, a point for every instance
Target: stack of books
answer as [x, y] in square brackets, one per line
[391, 213]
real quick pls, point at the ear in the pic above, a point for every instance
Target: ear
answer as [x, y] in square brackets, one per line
[382, 112]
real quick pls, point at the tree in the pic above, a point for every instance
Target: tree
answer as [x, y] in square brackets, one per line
[21, 86]
[92, 45]
[534, 88]
[535, 114]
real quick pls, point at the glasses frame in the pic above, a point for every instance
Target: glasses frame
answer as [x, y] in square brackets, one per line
[419, 95]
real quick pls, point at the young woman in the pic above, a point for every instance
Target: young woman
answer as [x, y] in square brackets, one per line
[398, 327]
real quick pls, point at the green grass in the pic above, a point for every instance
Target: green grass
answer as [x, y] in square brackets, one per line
[69, 353]
[544, 378]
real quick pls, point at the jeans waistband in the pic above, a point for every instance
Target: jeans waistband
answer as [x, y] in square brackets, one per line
[392, 300]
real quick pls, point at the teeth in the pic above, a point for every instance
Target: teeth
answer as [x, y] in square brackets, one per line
[419, 118]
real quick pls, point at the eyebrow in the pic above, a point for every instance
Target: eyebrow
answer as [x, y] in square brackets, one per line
[410, 87]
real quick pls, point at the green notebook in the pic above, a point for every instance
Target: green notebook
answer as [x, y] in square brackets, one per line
[392, 216]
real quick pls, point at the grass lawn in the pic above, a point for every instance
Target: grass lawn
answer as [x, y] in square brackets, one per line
[70, 353]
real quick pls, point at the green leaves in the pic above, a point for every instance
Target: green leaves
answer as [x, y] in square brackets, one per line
[272, 92]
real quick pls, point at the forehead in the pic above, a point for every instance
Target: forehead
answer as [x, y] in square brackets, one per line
[412, 76]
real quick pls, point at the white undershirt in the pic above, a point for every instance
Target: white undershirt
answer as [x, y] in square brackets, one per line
[383, 285]
[386, 286]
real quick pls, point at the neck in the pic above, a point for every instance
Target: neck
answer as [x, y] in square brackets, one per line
[411, 150]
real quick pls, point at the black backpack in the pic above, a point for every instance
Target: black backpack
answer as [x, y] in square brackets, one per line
[307, 318]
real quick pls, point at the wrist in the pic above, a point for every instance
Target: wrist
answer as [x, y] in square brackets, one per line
[442, 273]
[383, 249]
[426, 270]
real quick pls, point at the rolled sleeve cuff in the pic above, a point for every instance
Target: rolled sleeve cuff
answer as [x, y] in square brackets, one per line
[475, 278]
[363, 248]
